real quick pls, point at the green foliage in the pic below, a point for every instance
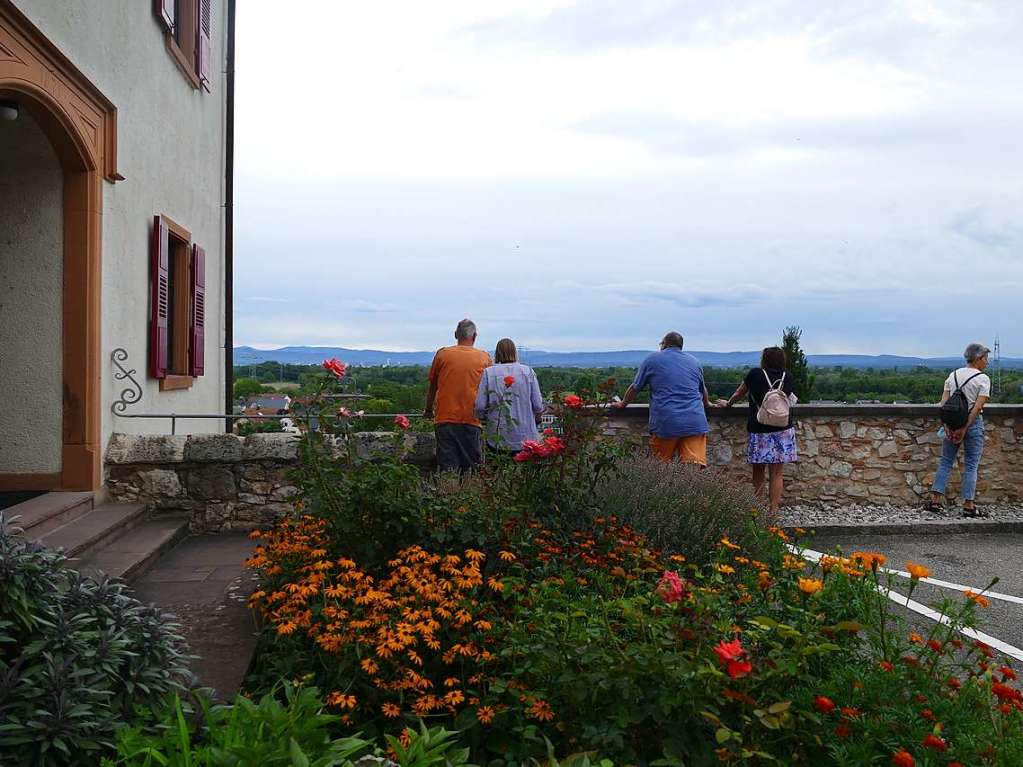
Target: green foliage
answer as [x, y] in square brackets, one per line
[196, 733]
[797, 365]
[542, 605]
[293, 732]
[78, 658]
[245, 428]
[680, 508]
[247, 387]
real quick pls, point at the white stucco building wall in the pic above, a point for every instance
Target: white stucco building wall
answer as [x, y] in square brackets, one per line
[31, 300]
[170, 147]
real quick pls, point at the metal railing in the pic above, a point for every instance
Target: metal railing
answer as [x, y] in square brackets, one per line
[175, 417]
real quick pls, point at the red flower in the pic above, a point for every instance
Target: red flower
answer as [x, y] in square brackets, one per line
[739, 668]
[902, 758]
[522, 457]
[573, 401]
[401, 422]
[927, 714]
[509, 380]
[934, 644]
[849, 712]
[824, 704]
[843, 730]
[335, 366]
[1005, 693]
[1007, 672]
[729, 651]
[934, 742]
[886, 666]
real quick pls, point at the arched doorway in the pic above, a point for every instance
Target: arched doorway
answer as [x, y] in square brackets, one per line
[80, 125]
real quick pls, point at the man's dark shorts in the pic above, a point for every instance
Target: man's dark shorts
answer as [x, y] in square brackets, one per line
[459, 446]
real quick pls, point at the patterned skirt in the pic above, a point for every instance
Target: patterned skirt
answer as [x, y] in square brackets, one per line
[774, 447]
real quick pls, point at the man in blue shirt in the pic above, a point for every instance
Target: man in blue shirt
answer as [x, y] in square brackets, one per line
[678, 398]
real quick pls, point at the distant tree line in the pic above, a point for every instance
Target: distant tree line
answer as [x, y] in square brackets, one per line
[403, 389]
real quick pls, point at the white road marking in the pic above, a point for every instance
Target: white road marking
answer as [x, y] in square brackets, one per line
[997, 644]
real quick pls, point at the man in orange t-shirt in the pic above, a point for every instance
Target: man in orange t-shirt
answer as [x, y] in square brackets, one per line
[450, 400]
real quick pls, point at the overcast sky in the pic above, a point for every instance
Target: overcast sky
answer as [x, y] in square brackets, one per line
[587, 174]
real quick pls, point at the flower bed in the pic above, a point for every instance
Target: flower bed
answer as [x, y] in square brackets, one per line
[517, 608]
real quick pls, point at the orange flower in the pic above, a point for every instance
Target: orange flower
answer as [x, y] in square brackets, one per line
[724, 569]
[341, 700]
[390, 710]
[369, 665]
[729, 545]
[541, 711]
[485, 715]
[810, 585]
[506, 556]
[902, 758]
[764, 580]
[979, 599]
[868, 559]
[932, 741]
[288, 627]
[916, 572]
[916, 638]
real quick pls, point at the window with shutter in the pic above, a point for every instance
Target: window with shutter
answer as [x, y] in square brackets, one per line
[198, 344]
[203, 45]
[159, 311]
[178, 313]
[164, 10]
[188, 32]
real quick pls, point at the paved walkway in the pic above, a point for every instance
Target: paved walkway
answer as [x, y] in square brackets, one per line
[969, 559]
[203, 581]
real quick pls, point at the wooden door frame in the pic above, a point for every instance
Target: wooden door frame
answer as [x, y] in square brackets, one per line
[81, 124]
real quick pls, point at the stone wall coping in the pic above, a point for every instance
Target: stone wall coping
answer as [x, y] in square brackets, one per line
[824, 411]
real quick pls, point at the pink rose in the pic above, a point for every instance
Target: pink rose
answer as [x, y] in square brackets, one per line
[671, 587]
[573, 401]
[402, 422]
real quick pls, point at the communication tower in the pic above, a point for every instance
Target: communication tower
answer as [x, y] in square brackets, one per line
[998, 366]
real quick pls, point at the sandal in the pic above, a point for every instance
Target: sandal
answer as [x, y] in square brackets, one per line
[933, 507]
[973, 511]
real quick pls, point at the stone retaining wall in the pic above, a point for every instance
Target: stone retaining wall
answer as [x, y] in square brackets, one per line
[224, 481]
[849, 454]
[863, 453]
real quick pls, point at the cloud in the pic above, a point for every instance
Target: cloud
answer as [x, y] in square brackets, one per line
[975, 225]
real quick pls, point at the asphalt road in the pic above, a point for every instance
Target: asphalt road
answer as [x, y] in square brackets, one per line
[968, 559]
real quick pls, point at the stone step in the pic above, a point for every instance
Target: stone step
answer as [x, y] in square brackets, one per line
[88, 533]
[38, 516]
[131, 555]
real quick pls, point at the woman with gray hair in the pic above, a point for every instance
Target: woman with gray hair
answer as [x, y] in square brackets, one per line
[975, 386]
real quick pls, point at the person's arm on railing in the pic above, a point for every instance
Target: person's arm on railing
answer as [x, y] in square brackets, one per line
[738, 395]
[630, 395]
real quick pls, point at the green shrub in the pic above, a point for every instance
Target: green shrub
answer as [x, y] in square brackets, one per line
[678, 507]
[78, 658]
[272, 733]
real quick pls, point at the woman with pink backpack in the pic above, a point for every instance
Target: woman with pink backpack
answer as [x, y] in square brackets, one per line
[772, 437]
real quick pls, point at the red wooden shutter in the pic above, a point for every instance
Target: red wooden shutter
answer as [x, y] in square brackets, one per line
[198, 322]
[164, 10]
[159, 302]
[203, 47]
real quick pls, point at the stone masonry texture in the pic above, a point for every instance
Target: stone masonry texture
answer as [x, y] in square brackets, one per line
[848, 454]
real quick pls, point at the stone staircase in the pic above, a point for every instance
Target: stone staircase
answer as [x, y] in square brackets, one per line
[119, 539]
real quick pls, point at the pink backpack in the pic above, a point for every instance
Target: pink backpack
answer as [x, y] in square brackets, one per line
[774, 410]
